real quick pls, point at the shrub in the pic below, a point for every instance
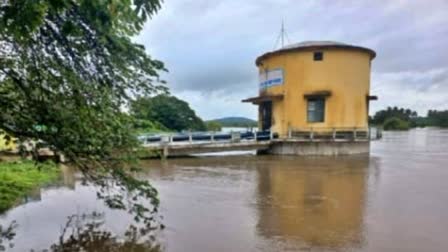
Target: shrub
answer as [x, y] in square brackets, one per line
[395, 123]
[213, 126]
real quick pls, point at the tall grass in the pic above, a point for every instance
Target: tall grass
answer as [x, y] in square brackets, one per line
[17, 179]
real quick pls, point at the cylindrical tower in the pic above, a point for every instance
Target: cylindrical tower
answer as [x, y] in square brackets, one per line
[316, 85]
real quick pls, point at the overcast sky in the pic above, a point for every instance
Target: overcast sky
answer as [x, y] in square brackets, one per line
[209, 47]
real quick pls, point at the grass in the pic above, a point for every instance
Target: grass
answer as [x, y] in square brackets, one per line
[19, 178]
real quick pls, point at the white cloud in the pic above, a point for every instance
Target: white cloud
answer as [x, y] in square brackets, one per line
[210, 46]
[419, 90]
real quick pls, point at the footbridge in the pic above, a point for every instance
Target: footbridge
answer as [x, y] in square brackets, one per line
[183, 144]
[331, 141]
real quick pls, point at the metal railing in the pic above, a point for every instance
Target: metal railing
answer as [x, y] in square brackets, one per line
[335, 134]
[206, 137]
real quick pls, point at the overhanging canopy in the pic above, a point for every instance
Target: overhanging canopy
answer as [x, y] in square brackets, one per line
[263, 98]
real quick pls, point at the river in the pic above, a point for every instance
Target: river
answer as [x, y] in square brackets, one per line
[394, 199]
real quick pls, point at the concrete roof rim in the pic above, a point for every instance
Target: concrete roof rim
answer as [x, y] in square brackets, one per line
[371, 52]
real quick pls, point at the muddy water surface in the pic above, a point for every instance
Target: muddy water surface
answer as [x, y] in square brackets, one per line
[394, 199]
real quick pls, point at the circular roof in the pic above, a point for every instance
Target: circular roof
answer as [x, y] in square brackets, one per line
[315, 45]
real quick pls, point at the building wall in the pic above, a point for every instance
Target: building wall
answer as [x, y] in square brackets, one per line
[6, 146]
[319, 148]
[344, 72]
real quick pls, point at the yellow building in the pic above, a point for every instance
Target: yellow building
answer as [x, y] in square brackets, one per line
[317, 85]
[6, 145]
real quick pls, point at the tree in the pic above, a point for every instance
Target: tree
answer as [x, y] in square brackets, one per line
[213, 126]
[170, 111]
[394, 123]
[67, 68]
[437, 118]
[406, 115]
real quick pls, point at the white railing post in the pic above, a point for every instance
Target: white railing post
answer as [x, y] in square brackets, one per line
[190, 137]
[271, 134]
[354, 134]
[255, 136]
[379, 133]
[311, 134]
[212, 137]
[334, 134]
[165, 152]
[170, 138]
[289, 132]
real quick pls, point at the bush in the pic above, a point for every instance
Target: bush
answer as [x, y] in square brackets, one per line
[395, 123]
[213, 126]
[145, 126]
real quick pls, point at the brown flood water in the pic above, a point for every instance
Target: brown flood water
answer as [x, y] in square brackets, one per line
[395, 199]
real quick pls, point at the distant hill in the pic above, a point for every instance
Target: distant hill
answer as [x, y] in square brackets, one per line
[236, 122]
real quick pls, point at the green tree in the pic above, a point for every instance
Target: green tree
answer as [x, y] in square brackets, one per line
[394, 123]
[406, 115]
[173, 113]
[437, 118]
[67, 67]
[213, 126]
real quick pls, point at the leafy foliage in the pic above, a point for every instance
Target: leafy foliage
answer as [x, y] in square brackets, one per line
[142, 126]
[236, 122]
[395, 123]
[433, 118]
[213, 126]
[67, 68]
[381, 116]
[437, 118]
[170, 111]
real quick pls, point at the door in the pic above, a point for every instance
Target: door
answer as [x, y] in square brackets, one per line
[266, 115]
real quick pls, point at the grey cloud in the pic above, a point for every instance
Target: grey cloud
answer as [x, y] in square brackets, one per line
[210, 46]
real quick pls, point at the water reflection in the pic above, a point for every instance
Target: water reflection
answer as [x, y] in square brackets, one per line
[393, 200]
[7, 234]
[67, 216]
[86, 233]
[316, 202]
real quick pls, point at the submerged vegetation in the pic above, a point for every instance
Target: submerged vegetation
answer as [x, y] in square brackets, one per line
[17, 179]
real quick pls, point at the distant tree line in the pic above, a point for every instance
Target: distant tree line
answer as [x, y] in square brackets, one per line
[394, 118]
[437, 118]
[238, 122]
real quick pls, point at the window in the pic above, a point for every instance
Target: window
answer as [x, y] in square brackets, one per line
[318, 56]
[316, 110]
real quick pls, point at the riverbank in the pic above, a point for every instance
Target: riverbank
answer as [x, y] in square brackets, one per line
[18, 178]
